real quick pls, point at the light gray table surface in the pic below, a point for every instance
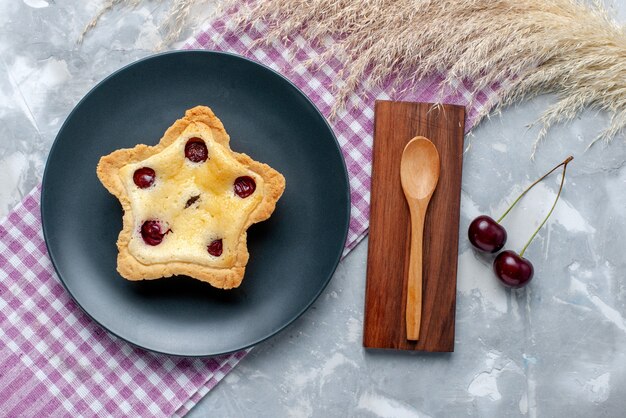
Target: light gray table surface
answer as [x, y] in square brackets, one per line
[556, 348]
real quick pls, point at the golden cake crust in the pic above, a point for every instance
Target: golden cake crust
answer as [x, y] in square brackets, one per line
[225, 278]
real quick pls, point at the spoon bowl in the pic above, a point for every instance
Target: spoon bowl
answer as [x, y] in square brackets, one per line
[419, 174]
[419, 168]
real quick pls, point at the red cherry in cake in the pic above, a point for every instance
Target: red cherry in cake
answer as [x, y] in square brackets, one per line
[196, 150]
[152, 232]
[215, 247]
[244, 186]
[144, 177]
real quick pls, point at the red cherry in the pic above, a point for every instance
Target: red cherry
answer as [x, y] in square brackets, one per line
[244, 186]
[151, 232]
[144, 177]
[513, 270]
[215, 247]
[196, 150]
[487, 235]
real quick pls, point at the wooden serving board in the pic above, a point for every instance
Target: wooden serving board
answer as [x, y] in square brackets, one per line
[396, 123]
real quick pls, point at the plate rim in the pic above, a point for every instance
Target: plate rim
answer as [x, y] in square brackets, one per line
[335, 263]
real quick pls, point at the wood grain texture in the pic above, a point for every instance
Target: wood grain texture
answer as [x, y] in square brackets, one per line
[396, 123]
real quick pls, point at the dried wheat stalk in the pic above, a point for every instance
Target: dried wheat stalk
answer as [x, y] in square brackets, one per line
[173, 24]
[176, 19]
[110, 4]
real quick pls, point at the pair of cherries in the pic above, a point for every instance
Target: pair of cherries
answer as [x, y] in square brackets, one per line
[487, 235]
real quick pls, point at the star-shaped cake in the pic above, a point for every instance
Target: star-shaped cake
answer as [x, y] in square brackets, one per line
[188, 202]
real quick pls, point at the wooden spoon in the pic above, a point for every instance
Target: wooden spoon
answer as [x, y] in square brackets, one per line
[419, 173]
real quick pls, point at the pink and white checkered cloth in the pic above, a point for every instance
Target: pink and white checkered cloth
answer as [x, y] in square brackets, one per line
[54, 361]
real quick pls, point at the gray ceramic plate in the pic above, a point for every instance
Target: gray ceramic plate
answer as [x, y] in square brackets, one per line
[292, 255]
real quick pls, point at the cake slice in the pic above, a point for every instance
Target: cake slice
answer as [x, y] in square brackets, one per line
[188, 202]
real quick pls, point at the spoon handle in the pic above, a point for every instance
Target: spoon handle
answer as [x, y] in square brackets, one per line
[414, 285]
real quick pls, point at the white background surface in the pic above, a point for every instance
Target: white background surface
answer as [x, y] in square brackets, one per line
[556, 348]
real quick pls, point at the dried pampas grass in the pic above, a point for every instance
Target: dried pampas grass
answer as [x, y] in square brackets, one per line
[109, 5]
[173, 24]
[529, 47]
[176, 19]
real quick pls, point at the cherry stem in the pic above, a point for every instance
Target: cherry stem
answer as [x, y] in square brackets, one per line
[521, 254]
[564, 163]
